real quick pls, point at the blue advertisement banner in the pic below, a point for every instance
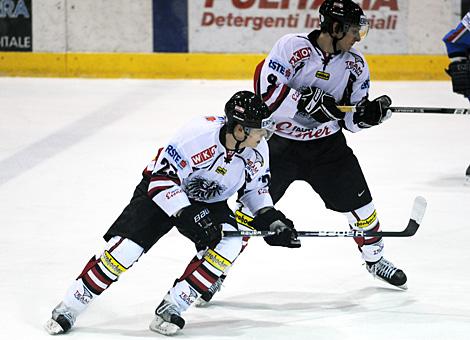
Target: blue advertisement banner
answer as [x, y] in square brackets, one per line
[170, 26]
[15, 25]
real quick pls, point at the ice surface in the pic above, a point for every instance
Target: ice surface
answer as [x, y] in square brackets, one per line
[71, 152]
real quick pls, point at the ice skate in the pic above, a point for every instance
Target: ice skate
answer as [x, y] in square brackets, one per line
[387, 272]
[206, 297]
[62, 320]
[167, 320]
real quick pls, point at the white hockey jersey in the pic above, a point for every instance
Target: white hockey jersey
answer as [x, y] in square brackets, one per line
[296, 61]
[196, 165]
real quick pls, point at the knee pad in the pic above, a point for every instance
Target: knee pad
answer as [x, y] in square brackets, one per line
[120, 255]
[364, 218]
[228, 248]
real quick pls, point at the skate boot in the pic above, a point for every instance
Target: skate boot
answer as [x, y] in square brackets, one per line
[387, 272]
[206, 297]
[62, 320]
[167, 320]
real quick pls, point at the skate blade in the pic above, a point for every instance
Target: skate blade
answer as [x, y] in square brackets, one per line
[163, 327]
[53, 328]
[402, 287]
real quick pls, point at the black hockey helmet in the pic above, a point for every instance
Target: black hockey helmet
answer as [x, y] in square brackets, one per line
[347, 13]
[248, 110]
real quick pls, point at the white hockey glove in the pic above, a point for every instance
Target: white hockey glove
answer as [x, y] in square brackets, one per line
[318, 105]
[274, 220]
[372, 113]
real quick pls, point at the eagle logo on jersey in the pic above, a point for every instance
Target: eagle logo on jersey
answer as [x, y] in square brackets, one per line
[202, 189]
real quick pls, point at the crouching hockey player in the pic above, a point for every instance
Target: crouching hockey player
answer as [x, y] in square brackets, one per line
[302, 80]
[187, 185]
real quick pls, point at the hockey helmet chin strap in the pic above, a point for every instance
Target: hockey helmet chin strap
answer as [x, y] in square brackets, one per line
[246, 132]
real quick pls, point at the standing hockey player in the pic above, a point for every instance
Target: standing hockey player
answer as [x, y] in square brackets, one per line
[187, 185]
[303, 79]
[457, 43]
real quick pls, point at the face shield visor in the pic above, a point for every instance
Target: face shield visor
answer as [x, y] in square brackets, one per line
[266, 130]
[359, 31]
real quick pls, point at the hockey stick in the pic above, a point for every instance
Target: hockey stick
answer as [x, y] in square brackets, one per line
[406, 109]
[417, 213]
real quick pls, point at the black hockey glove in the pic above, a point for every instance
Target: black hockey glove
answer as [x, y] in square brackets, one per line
[459, 72]
[318, 105]
[373, 112]
[195, 223]
[274, 220]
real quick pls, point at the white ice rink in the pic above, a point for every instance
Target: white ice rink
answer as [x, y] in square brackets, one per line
[72, 151]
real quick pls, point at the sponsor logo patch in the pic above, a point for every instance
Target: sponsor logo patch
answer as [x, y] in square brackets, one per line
[302, 132]
[173, 153]
[204, 155]
[221, 170]
[217, 261]
[84, 297]
[367, 222]
[243, 219]
[299, 55]
[322, 75]
[278, 67]
[111, 264]
[189, 298]
[357, 65]
[251, 167]
[215, 119]
[173, 193]
[351, 65]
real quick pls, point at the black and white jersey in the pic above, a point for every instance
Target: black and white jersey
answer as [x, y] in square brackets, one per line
[296, 61]
[195, 165]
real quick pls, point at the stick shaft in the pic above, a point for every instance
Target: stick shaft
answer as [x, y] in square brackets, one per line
[410, 109]
[417, 213]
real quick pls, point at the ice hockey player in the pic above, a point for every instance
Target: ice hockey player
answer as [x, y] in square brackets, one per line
[187, 185]
[457, 43]
[302, 80]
